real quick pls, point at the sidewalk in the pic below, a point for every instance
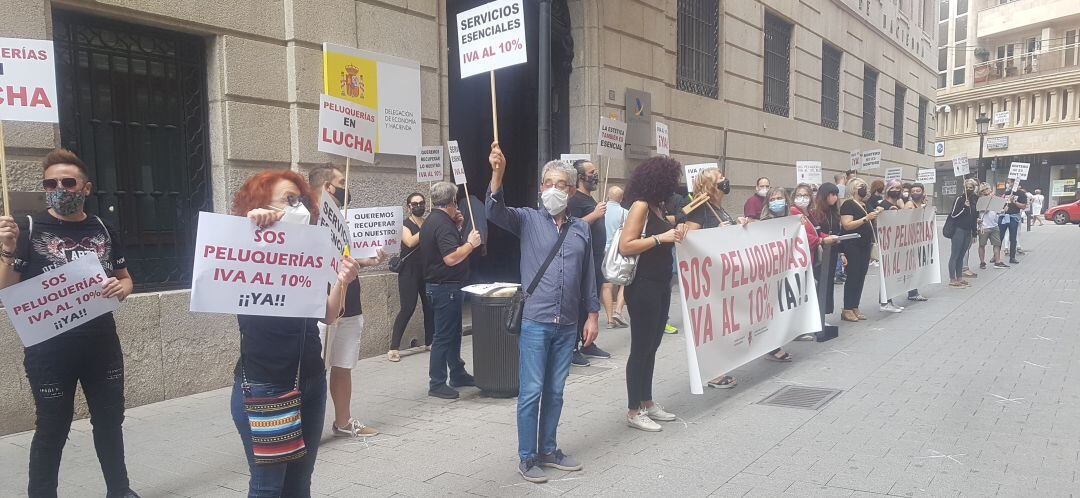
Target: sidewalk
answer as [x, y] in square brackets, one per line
[973, 393]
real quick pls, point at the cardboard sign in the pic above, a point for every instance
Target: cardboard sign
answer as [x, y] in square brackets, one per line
[808, 172]
[27, 80]
[330, 216]
[1019, 170]
[746, 291]
[1001, 117]
[570, 158]
[491, 36]
[375, 228]
[692, 171]
[990, 203]
[280, 270]
[612, 139]
[58, 300]
[346, 129]
[455, 162]
[663, 144]
[927, 176]
[429, 165]
[894, 174]
[855, 160]
[871, 159]
[960, 165]
[908, 243]
[389, 85]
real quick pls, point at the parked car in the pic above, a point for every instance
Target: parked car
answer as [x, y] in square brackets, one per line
[1064, 213]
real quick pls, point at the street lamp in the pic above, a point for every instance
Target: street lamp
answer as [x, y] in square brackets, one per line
[982, 125]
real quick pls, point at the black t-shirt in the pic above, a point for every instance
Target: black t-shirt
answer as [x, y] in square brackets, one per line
[887, 204]
[873, 201]
[852, 208]
[1021, 198]
[47, 243]
[438, 237]
[579, 206]
[410, 260]
[673, 207]
[706, 218]
[271, 345]
[655, 264]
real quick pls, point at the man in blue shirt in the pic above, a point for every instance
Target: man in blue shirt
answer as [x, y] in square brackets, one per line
[548, 325]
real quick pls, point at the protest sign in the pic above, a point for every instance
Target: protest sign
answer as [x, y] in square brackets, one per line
[692, 171]
[375, 228]
[960, 165]
[1019, 170]
[388, 85]
[429, 165]
[663, 144]
[330, 216]
[855, 160]
[1001, 117]
[491, 36]
[570, 158]
[746, 291]
[455, 162]
[27, 80]
[58, 300]
[346, 129]
[894, 174]
[612, 139]
[927, 176]
[280, 270]
[808, 172]
[908, 243]
[871, 159]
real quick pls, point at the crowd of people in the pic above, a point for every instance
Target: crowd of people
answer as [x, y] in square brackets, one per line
[563, 242]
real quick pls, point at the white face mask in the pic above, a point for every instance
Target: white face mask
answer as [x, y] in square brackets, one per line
[802, 201]
[554, 200]
[298, 214]
[763, 191]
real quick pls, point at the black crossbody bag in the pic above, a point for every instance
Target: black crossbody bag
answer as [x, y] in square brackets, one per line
[517, 301]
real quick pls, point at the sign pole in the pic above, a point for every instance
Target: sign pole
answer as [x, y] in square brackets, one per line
[494, 114]
[3, 171]
[468, 203]
[607, 170]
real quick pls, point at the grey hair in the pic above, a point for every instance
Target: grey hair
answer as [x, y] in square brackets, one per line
[563, 167]
[443, 193]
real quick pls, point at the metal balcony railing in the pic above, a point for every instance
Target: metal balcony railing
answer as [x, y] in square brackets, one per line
[1047, 61]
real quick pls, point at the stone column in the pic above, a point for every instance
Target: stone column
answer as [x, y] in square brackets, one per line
[1055, 106]
[1038, 104]
[1022, 109]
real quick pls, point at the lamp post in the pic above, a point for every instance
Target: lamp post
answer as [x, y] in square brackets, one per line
[982, 125]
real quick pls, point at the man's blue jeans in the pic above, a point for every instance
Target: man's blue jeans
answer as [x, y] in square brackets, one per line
[1011, 222]
[544, 362]
[446, 343]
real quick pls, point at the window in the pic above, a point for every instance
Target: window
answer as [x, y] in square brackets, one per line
[960, 54]
[943, 10]
[943, 33]
[777, 65]
[942, 80]
[830, 86]
[898, 116]
[1070, 47]
[961, 7]
[924, 106]
[698, 34]
[943, 59]
[133, 105]
[960, 32]
[958, 76]
[869, 103]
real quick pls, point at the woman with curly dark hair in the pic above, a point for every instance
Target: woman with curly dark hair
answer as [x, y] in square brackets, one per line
[648, 235]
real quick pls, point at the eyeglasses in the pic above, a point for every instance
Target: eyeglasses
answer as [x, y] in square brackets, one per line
[52, 183]
[296, 200]
[559, 185]
[416, 204]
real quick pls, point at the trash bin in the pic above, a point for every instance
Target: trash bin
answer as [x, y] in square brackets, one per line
[495, 352]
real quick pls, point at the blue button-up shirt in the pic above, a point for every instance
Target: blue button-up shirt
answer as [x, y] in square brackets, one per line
[558, 296]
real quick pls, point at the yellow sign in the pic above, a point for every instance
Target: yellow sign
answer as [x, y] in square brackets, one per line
[351, 78]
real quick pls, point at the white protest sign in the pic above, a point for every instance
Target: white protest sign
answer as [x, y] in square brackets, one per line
[1019, 170]
[871, 159]
[927, 176]
[612, 139]
[330, 217]
[692, 171]
[375, 228]
[808, 172]
[455, 162]
[894, 174]
[908, 242]
[960, 165]
[27, 80]
[346, 129]
[429, 165]
[491, 36]
[746, 291]
[855, 160]
[280, 270]
[663, 143]
[570, 158]
[58, 300]
[1001, 117]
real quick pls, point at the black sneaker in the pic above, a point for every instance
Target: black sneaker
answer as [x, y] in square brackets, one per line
[594, 351]
[1014, 261]
[999, 265]
[443, 391]
[579, 359]
[531, 471]
[982, 266]
[466, 381]
[127, 493]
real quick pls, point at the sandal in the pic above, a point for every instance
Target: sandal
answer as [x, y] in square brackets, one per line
[723, 382]
[393, 356]
[619, 321]
[784, 358]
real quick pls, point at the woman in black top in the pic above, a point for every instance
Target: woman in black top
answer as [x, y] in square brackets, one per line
[963, 216]
[411, 278]
[90, 353]
[856, 218]
[824, 214]
[647, 234]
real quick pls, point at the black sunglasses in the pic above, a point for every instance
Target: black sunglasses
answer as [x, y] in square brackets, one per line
[52, 183]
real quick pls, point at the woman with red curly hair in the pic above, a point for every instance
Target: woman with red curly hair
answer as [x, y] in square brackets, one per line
[268, 366]
[648, 235]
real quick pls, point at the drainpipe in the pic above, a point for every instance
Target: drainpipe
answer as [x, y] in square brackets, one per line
[543, 101]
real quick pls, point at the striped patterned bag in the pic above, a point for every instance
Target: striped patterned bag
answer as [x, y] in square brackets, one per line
[277, 435]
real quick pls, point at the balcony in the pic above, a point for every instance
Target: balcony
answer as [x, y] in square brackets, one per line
[1007, 69]
[1021, 14]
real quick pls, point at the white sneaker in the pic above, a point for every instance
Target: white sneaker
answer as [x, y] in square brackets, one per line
[642, 421]
[891, 308]
[657, 412]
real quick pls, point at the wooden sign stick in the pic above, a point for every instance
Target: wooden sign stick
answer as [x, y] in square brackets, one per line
[607, 169]
[3, 171]
[494, 114]
[468, 204]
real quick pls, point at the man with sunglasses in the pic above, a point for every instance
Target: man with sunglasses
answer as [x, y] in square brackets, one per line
[581, 205]
[89, 354]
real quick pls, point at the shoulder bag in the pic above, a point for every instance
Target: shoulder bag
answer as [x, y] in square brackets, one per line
[619, 269]
[277, 434]
[949, 229]
[517, 301]
[394, 264]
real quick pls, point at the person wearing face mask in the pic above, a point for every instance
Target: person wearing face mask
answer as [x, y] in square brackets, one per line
[988, 232]
[824, 216]
[269, 366]
[777, 206]
[877, 194]
[856, 218]
[892, 201]
[611, 295]
[753, 206]
[411, 278]
[963, 216]
[581, 205]
[913, 203]
[1016, 201]
[553, 307]
[89, 354]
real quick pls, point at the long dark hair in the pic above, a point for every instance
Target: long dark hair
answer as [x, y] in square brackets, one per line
[824, 216]
[653, 182]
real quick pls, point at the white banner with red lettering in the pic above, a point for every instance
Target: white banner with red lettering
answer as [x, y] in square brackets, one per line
[746, 291]
[280, 270]
[27, 80]
[346, 129]
[908, 243]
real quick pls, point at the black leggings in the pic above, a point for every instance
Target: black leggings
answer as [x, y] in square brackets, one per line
[858, 263]
[647, 301]
[411, 286]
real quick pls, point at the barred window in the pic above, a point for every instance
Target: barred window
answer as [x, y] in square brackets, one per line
[869, 103]
[898, 116]
[777, 65]
[923, 109]
[830, 86]
[699, 35]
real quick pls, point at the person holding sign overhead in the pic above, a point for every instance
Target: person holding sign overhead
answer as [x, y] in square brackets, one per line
[90, 353]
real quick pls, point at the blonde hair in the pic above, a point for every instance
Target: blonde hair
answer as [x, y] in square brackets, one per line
[706, 182]
[853, 187]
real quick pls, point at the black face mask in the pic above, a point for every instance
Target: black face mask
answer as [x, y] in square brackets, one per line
[916, 197]
[417, 211]
[725, 186]
[894, 195]
[339, 194]
[590, 181]
[861, 191]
